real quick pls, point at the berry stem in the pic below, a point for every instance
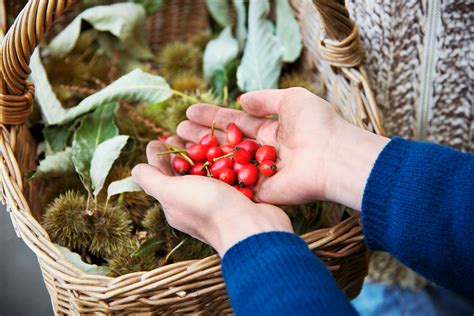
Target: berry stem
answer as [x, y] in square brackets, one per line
[224, 156]
[213, 127]
[175, 248]
[174, 151]
[180, 152]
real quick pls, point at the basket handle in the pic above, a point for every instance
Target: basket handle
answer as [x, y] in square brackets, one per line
[341, 46]
[16, 93]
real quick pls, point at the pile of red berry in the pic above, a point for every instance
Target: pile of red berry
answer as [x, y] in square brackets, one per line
[237, 163]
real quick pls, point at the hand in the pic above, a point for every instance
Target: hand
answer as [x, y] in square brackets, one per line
[205, 208]
[321, 156]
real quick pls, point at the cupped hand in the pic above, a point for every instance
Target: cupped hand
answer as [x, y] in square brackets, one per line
[320, 156]
[205, 208]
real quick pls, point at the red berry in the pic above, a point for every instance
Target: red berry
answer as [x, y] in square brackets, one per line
[250, 146]
[266, 152]
[181, 165]
[214, 152]
[163, 137]
[237, 166]
[219, 165]
[234, 135]
[198, 169]
[247, 192]
[268, 168]
[197, 152]
[241, 156]
[248, 175]
[237, 98]
[209, 140]
[226, 149]
[227, 176]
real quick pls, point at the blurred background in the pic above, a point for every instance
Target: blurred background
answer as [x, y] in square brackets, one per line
[22, 291]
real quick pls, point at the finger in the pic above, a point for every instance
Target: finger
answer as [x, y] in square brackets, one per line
[151, 180]
[273, 190]
[194, 132]
[161, 162]
[262, 103]
[206, 114]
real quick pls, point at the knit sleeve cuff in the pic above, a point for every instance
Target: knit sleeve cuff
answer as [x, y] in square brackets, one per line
[378, 192]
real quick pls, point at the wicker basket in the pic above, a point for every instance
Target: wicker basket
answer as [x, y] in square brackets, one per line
[332, 56]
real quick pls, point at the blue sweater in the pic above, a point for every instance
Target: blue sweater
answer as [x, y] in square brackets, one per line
[418, 205]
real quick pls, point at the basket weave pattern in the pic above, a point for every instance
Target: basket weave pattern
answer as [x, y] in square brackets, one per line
[197, 285]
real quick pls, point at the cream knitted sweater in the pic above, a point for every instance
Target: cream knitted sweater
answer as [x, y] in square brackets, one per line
[419, 56]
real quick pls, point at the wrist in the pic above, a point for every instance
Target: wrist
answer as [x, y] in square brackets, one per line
[260, 219]
[352, 156]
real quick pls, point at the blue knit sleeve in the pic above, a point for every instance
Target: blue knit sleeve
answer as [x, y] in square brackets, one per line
[418, 205]
[276, 274]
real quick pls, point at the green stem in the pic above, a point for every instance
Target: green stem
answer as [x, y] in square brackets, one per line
[175, 248]
[174, 151]
[185, 96]
[222, 157]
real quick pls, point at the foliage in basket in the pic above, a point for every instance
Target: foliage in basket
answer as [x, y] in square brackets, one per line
[102, 95]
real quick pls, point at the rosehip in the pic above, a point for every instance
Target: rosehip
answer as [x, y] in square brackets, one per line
[198, 169]
[181, 165]
[234, 134]
[247, 192]
[241, 156]
[163, 138]
[267, 168]
[248, 175]
[227, 176]
[197, 152]
[237, 166]
[265, 152]
[209, 140]
[226, 149]
[219, 165]
[214, 152]
[250, 146]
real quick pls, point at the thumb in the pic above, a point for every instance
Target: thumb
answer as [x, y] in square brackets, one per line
[272, 190]
[262, 103]
[151, 180]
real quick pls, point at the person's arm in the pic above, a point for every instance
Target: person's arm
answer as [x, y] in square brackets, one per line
[418, 205]
[276, 274]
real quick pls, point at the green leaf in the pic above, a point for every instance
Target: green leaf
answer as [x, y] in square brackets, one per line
[104, 157]
[134, 86]
[219, 11]
[57, 136]
[241, 11]
[94, 129]
[220, 52]
[125, 21]
[75, 259]
[57, 164]
[219, 83]
[288, 31]
[51, 107]
[121, 186]
[262, 60]
[149, 247]
[151, 6]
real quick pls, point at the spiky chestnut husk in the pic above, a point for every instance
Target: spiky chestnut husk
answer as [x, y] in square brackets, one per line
[112, 227]
[188, 82]
[190, 250]
[167, 115]
[179, 57]
[155, 222]
[55, 186]
[67, 222]
[296, 80]
[200, 40]
[136, 203]
[121, 262]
